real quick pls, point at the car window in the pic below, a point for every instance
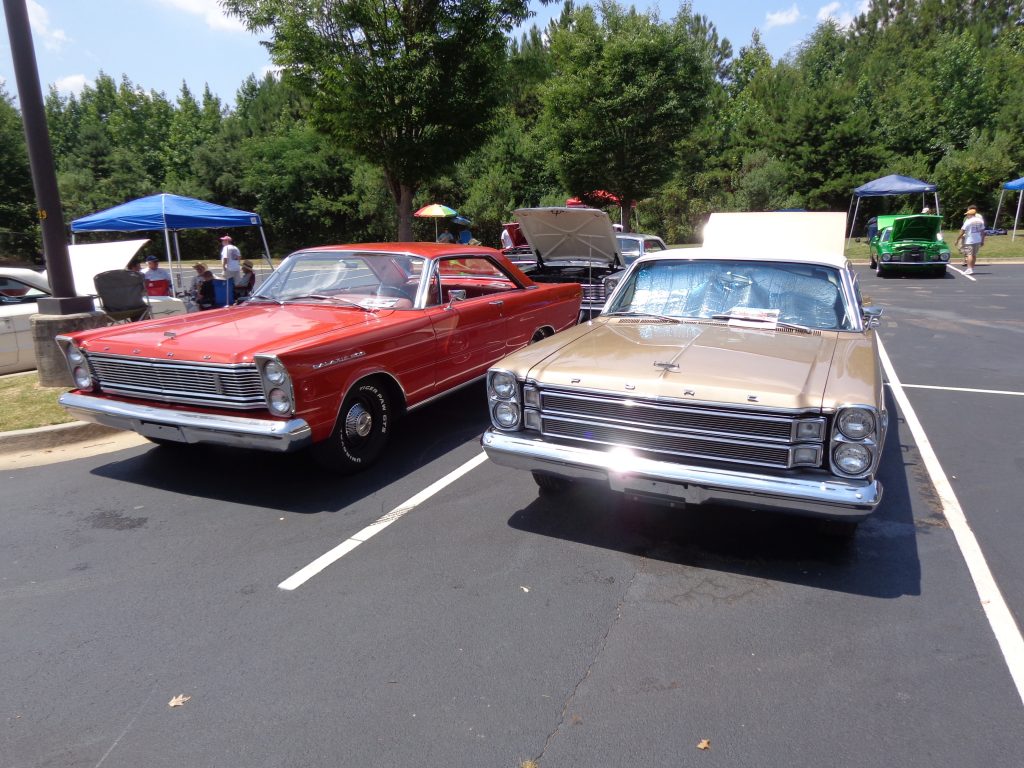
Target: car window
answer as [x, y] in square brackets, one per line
[14, 291]
[886, 235]
[800, 294]
[476, 275]
[653, 245]
[372, 280]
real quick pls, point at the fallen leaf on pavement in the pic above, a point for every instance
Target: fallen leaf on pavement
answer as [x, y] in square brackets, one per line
[178, 700]
[704, 744]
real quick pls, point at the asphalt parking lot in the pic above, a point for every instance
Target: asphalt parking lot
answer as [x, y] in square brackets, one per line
[460, 619]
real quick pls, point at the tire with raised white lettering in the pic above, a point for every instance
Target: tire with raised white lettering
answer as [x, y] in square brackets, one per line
[361, 432]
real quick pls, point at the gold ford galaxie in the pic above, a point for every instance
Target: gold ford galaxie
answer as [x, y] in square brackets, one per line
[745, 372]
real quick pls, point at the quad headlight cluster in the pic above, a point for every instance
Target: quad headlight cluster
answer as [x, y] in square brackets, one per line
[856, 440]
[277, 385]
[513, 407]
[81, 374]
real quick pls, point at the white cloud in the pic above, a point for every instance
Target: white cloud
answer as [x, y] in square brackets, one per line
[210, 12]
[39, 20]
[72, 84]
[837, 12]
[782, 18]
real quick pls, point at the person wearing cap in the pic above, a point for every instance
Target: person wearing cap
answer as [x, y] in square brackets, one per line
[230, 259]
[246, 281]
[197, 281]
[972, 237]
[206, 298]
[158, 279]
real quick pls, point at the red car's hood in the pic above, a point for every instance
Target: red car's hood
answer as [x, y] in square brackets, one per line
[229, 335]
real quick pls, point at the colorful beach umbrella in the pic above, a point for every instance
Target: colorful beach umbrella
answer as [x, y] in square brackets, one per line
[435, 211]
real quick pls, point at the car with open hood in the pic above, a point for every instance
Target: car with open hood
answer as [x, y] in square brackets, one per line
[911, 243]
[334, 346]
[572, 245]
[745, 372]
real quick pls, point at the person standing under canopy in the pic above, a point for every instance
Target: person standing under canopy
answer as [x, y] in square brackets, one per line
[230, 259]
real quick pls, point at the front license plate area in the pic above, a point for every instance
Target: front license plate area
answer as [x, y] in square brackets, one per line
[161, 432]
[658, 489]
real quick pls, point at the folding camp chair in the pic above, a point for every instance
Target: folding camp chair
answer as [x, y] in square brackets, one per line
[123, 294]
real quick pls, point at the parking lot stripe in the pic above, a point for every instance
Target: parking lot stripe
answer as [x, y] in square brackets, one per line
[1007, 633]
[301, 577]
[962, 273]
[965, 389]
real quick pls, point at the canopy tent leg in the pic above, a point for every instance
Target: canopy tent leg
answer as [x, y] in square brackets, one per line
[1020, 197]
[177, 253]
[999, 205]
[266, 250]
[170, 258]
[853, 221]
[938, 211]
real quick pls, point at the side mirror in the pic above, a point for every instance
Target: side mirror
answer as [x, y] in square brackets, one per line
[872, 317]
[456, 294]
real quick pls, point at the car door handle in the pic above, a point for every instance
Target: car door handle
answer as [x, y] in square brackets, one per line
[497, 303]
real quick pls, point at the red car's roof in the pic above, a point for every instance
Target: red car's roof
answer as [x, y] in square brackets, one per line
[424, 249]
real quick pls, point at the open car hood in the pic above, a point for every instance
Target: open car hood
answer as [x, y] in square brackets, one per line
[920, 227]
[570, 235]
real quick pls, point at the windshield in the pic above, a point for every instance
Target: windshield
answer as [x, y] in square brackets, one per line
[750, 291]
[354, 278]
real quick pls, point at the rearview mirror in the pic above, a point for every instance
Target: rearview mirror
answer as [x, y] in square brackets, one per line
[456, 294]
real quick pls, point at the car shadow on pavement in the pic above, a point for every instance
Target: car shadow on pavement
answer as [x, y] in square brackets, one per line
[293, 482]
[879, 560]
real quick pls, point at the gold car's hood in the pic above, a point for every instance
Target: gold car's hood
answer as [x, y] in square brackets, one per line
[711, 362]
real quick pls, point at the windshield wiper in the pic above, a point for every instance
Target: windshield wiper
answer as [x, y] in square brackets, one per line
[630, 313]
[322, 297]
[773, 322]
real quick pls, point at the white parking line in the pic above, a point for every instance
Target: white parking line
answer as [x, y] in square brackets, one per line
[965, 389]
[962, 273]
[1007, 633]
[301, 577]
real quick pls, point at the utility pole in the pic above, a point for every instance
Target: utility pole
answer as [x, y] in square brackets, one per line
[40, 158]
[64, 311]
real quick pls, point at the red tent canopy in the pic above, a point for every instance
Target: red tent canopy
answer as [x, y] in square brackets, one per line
[594, 199]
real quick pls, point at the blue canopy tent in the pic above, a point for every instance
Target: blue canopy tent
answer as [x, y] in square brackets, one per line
[169, 213]
[887, 186]
[1014, 186]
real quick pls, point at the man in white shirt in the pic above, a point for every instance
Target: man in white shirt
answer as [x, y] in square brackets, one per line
[158, 279]
[972, 235]
[230, 259]
[506, 239]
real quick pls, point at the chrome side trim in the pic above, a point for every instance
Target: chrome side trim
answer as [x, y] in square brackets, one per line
[821, 496]
[189, 426]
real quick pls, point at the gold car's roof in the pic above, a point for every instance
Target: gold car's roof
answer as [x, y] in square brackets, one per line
[816, 238]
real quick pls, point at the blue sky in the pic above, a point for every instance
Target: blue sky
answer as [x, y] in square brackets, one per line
[160, 43]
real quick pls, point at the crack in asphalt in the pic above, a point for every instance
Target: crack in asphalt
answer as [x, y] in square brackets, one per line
[586, 673]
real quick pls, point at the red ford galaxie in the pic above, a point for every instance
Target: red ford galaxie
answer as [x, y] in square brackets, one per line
[328, 351]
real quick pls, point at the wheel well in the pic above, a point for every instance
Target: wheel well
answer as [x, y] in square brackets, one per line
[542, 333]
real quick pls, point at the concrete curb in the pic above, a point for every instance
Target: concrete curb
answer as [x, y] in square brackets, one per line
[41, 438]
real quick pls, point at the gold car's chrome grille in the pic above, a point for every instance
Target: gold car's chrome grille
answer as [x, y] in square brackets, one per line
[695, 431]
[224, 386]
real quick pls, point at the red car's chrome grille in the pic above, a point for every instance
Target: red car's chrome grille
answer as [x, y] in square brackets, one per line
[711, 433]
[222, 386]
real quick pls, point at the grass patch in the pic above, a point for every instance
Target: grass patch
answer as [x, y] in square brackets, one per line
[27, 405]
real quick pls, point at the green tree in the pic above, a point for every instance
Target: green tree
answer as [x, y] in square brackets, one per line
[626, 91]
[19, 231]
[405, 84]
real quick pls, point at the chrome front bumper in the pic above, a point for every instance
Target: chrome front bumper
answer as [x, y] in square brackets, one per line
[188, 426]
[679, 483]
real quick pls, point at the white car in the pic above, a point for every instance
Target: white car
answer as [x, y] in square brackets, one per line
[20, 289]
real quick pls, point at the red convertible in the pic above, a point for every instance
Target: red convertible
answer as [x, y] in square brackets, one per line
[327, 352]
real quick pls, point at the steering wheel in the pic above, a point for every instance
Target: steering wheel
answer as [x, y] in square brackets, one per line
[393, 291]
